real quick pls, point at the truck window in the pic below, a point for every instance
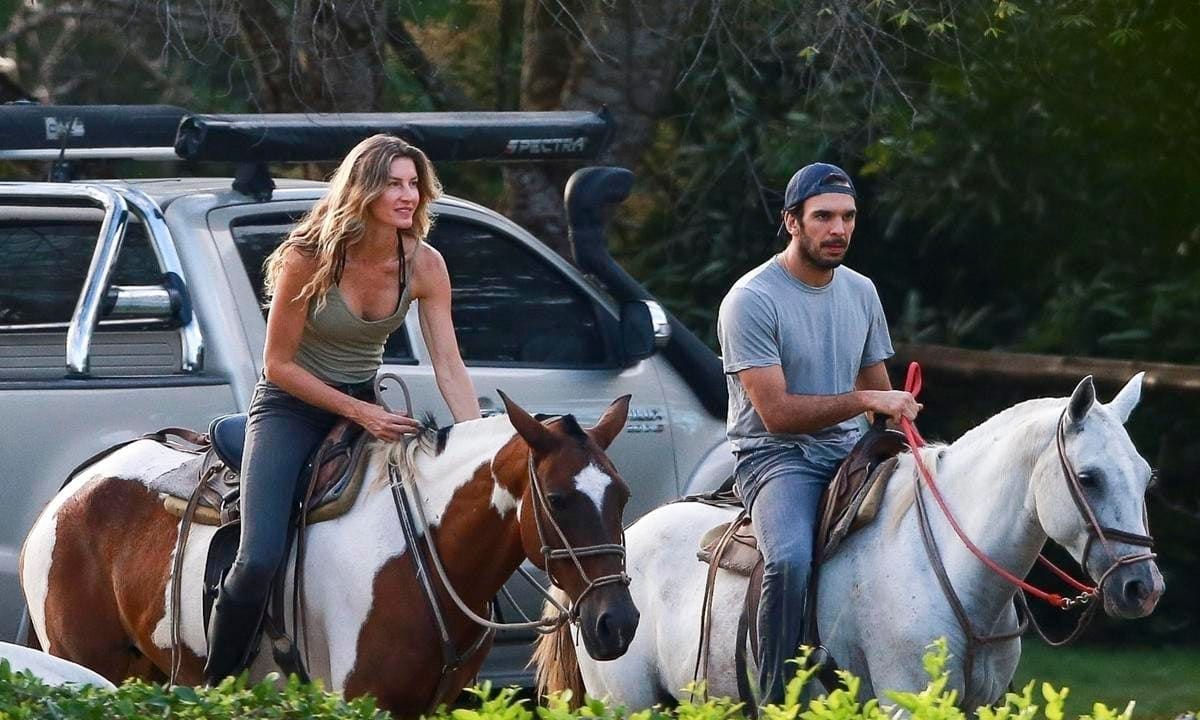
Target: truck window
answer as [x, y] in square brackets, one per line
[43, 264]
[511, 307]
[257, 235]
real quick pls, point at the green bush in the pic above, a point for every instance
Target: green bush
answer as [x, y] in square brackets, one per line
[23, 696]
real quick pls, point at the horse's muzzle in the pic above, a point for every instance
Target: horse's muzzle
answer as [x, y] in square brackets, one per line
[1133, 590]
[608, 621]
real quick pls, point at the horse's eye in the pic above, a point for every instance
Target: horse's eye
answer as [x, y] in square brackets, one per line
[1088, 480]
[558, 501]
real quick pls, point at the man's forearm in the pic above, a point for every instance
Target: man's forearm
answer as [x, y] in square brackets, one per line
[804, 414]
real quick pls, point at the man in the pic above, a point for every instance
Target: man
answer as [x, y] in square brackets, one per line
[803, 340]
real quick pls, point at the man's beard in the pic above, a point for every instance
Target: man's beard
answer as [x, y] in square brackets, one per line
[817, 261]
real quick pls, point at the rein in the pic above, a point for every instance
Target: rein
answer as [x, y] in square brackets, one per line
[1088, 593]
[411, 512]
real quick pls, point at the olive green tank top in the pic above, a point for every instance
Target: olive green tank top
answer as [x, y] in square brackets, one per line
[339, 347]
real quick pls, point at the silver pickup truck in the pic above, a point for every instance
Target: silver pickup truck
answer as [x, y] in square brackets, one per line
[131, 305]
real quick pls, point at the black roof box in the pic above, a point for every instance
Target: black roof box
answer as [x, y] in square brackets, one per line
[443, 136]
[40, 132]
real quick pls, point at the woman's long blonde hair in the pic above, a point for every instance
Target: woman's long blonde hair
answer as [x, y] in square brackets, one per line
[337, 221]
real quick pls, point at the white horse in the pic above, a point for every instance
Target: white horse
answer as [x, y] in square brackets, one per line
[49, 669]
[880, 602]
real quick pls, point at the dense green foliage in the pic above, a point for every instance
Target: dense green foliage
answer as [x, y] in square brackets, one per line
[1026, 181]
[23, 696]
[1027, 167]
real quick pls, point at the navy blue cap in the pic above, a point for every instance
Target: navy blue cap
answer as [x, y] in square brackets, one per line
[816, 179]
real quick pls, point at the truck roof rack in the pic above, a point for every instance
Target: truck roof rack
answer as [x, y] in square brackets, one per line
[165, 132]
[65, 133]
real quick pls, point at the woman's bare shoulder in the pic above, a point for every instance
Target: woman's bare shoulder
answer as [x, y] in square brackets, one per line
[426, 258]
[298, 260]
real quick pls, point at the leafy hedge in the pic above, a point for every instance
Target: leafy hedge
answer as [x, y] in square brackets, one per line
[23, 697]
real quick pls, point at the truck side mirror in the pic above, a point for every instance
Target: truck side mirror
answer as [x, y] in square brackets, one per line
[637, 332]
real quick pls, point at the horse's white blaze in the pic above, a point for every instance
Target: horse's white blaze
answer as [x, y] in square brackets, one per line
[593, 482]
[139, 459]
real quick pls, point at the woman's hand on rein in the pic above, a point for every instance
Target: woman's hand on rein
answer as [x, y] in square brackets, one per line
[384, 425]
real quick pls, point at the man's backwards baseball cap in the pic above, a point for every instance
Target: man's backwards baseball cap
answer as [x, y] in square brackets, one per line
[816, 179]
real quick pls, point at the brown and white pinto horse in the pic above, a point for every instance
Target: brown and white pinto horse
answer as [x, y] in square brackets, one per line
[96, 566]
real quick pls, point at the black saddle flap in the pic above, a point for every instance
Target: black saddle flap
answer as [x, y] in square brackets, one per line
[221, 553]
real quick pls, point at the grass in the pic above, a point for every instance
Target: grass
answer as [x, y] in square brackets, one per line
[1164, 682]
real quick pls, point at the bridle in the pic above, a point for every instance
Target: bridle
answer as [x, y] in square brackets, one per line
[543, 517]
[1096, 531]
[411, 513]
[1089, 595]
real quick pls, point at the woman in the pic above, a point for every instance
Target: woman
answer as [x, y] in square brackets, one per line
[339, 285]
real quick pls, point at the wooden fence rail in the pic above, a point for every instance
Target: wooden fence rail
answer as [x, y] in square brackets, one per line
[1023, 367]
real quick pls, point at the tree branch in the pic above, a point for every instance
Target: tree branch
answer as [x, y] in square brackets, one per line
[444, 94]
[23, 24]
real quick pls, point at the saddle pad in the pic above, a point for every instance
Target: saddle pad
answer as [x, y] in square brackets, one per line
[180, 482]
[740, 552]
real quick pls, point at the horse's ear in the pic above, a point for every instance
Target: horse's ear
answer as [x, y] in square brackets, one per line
[1081, 400]
[1126, 400]
[531, 431]
[611, 422]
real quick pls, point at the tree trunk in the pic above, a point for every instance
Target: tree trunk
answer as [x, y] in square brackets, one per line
[584, 55]
[328, 57]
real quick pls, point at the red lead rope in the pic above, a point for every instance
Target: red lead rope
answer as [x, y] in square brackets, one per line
[912, 384]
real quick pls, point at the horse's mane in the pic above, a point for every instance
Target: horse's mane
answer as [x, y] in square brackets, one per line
[1026, 416]
[428, 441]
[402, 454]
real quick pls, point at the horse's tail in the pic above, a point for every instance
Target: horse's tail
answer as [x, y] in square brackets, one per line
[555, 659]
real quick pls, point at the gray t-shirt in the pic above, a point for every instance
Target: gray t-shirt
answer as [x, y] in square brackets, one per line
[820, 336]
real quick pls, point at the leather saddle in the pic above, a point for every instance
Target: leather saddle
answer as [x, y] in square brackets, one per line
[332, 473]
[850, 501]
[206, 489]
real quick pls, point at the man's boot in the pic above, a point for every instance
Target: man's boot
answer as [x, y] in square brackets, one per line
[232, 634]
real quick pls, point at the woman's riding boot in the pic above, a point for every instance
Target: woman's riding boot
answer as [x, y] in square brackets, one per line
[232, 634]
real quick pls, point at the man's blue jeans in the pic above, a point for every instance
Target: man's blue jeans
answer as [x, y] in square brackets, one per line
[782, 489]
